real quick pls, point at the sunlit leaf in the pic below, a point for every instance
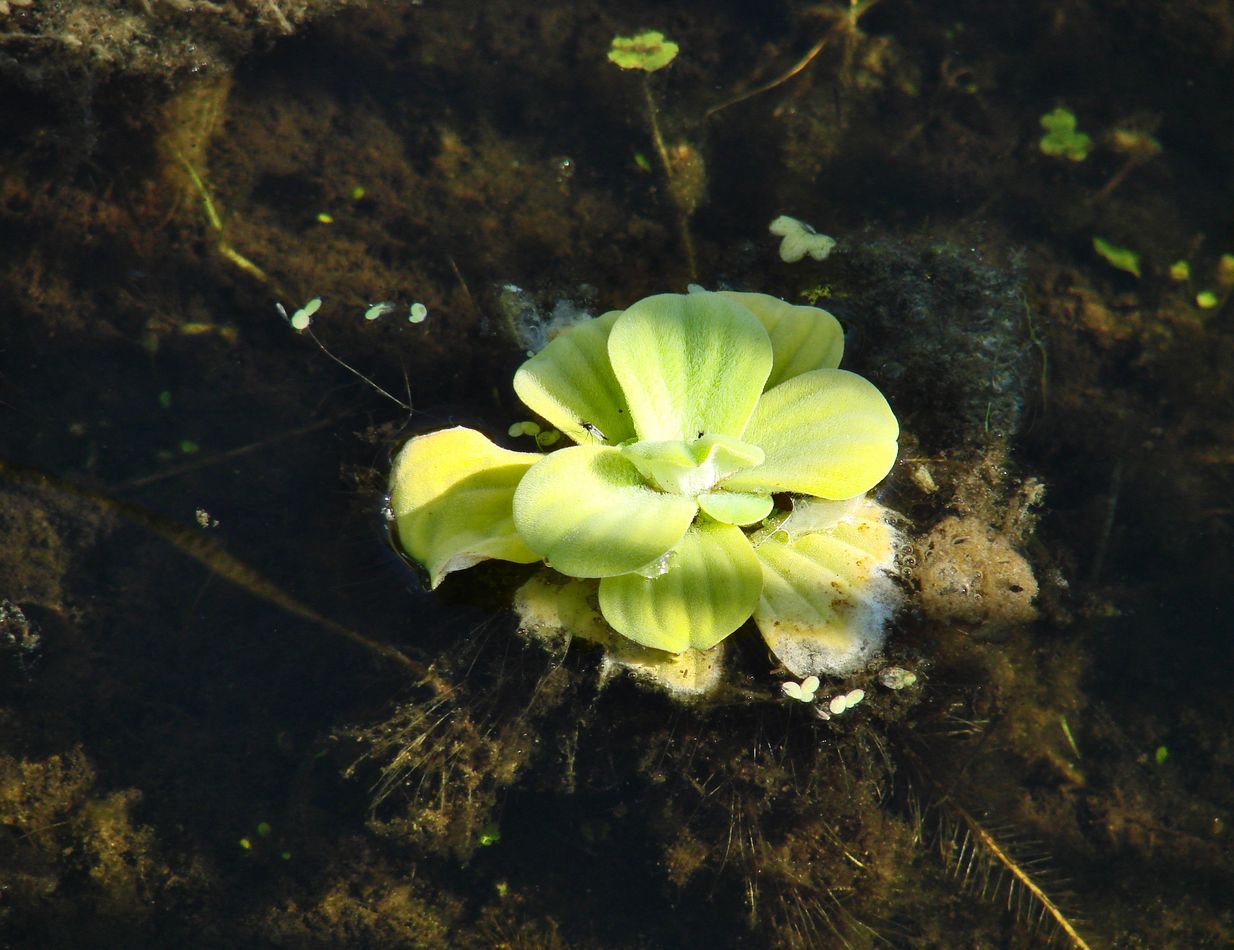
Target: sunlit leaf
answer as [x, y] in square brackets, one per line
[731, 507]
[710, 589]
[689, 365]
[828, 433]
[827, 596]
[590, 513]
[571, 384]
[802, 338]
[452, 493]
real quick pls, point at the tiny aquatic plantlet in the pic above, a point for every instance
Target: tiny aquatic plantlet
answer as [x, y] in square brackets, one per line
[719, 472]
[803, 692]
[1062, 139]
[799, 239]
[646, 53]
[1121, 258]
[302, 318]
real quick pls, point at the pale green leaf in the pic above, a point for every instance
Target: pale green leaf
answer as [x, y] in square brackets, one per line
[710, 589]
[827, 597]
[590, 513]
[687, 468]
[802, 338]
[571, 384]
[733, 507]
[828, 433]
[689, 365]
[559, 614]
[452, 493]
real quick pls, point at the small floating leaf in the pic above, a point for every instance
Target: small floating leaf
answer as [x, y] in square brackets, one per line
[647, 51]
[1122, 258]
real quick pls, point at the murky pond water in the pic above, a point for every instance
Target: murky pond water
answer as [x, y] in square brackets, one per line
[230, 712]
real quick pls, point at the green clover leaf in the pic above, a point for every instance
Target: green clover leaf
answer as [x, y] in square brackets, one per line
[648, 51]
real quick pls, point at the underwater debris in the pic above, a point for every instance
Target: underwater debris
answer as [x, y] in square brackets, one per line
[896, 677]
[969, 572]
[981, 864]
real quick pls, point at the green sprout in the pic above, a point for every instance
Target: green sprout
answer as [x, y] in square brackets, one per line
[1121, 258]
[490, 834]
[1207, 300]
[1161, 755]
[524, 428]
[648, 51]
[683, 166]
[1062, 139]
[302, 319]
[695, 417]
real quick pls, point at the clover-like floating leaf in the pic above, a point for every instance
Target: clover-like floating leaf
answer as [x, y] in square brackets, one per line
[828, 433]
[799, 239]
[709, 591]
[732, 507]
[452, 493]
[689, 365]
[1062, 139]
[590, 513]
[826, 597]
[648, 51]
[802, 338]
[571, 384]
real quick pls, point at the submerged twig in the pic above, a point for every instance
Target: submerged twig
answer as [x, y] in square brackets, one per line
[979, 847]
[214, 556]
[845, 24]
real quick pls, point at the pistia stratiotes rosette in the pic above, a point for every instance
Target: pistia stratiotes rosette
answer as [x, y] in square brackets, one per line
[692, 415]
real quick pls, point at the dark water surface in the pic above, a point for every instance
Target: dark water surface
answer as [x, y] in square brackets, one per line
[230, 715]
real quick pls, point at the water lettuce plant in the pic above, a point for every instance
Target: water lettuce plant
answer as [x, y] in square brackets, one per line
[718, 472]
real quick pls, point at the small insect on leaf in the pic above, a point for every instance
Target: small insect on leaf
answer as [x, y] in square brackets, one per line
[593, 431]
